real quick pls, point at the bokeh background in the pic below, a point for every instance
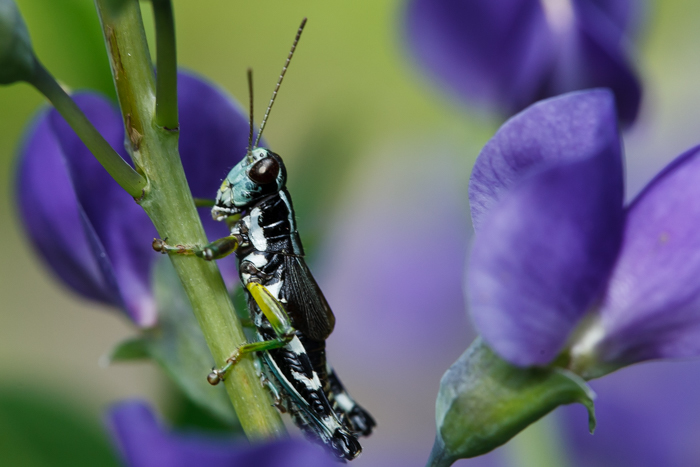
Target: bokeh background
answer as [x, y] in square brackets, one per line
[378, 161]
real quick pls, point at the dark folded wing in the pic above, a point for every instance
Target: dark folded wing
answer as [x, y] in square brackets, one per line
[306, 304]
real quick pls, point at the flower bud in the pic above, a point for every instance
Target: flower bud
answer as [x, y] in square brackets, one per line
[484, 401]
[16, 55]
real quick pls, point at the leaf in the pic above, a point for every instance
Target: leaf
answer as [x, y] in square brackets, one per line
[128, 350]
[484, 401]
[178, 346]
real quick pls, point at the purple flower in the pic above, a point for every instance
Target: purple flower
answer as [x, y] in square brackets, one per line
[648, 417]
[554, 244]
[142, 441]
[90, 232]
[508, 54]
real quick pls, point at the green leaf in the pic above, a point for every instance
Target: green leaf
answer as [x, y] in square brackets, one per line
[129, 350]
[178, 346]
[484, 401]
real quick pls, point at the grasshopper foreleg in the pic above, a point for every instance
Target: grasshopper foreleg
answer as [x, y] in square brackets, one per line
[214, 250]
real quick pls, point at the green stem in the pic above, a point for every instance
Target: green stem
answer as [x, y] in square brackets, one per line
[169, 204]
[117, 167]
[166, 65]
[438, 456]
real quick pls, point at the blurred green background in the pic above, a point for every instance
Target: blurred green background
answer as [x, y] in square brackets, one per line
[350, 90]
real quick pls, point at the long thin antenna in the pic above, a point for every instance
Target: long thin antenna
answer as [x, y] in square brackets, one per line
[279, 82]
[250, 96]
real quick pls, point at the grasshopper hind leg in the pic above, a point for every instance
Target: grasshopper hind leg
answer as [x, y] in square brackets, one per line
[344, 444]
[352, 415]
[360, 420]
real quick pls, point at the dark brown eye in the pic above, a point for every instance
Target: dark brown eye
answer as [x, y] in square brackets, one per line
[264, 171]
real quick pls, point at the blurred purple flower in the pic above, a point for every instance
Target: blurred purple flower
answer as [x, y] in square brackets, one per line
[648, 417]
[90, 232]
[508, 54]
[143, 442]
[554, 244]
[391, 268]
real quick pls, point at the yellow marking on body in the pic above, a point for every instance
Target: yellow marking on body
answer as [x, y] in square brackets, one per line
[271, 308]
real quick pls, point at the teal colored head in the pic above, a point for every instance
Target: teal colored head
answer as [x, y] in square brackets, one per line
[259, 174]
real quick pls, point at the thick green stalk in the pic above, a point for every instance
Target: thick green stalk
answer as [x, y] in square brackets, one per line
[169, 204]
[117, 167]
[166, 65]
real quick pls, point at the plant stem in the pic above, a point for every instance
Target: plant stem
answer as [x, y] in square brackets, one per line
[169, 204]
[117, 167]
[166, 65]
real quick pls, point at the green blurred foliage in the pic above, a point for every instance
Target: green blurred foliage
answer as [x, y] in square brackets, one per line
[39, 428]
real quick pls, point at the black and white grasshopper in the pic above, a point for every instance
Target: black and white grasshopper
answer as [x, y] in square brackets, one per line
[291, 316]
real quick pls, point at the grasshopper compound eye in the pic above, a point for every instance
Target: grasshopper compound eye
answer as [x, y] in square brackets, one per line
[264, 171]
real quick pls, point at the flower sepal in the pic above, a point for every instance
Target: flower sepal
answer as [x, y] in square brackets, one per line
[177, 345]
[17, 60]
[484, 401]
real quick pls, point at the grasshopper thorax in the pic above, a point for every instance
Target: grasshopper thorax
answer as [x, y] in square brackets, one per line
[260, 174]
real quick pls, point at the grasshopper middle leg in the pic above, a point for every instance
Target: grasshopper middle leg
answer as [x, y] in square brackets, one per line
[279, 320]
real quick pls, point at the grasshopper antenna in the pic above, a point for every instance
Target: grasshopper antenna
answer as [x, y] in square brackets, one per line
[250, 96]
[279, 81]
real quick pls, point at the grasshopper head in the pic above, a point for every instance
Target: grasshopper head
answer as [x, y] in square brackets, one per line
[259, 174]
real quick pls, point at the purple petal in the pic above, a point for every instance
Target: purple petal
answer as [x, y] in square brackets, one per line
[625, 14]
[507, 54]
[647, 417]
[546, 196]
[122, 226]
[563, 130]
[144, 442]
[111, 259]
[603, 63]
[652, 306]
[52, 217]
[478, 47]
[213, 138]
[214, 133]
